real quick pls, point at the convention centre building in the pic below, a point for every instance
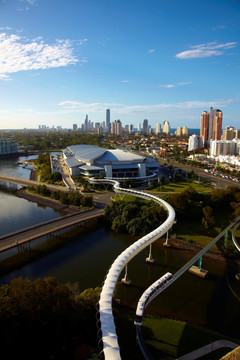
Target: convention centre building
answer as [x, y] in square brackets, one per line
[90, 161]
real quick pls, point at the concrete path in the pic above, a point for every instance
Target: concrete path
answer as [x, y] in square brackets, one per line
[208, 349]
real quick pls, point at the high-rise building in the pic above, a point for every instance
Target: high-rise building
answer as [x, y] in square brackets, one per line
[116, 127]
[145, 126]
[178, 132]
[166, 127]
[222, 147]
[185, 131]
[74, 127]
[158, 129]
[139, 127]
[194, 142]
[86, 123]
[108, 123]
[229, 133]
[211, 125]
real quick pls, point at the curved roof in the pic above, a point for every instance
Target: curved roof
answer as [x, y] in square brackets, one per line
[120, 155]
[87, 153]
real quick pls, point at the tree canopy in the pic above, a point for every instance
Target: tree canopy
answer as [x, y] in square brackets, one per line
[136, 218]
[42, 319]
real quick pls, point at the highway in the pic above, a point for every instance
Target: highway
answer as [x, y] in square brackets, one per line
[221, 182]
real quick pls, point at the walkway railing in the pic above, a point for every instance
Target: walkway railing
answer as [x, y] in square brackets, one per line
[109, 337]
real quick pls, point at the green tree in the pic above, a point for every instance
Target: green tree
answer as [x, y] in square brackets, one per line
[208, 219]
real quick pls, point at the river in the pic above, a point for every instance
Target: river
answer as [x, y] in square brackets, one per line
[85, 258]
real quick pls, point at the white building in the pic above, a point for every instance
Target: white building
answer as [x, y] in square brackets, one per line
[166, 127]
[158, 129]
[194, 142]
[90, 160]
[223, 147]
[178, 132]
[185, 131]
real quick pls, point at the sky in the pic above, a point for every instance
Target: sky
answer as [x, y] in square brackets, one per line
[143, 59]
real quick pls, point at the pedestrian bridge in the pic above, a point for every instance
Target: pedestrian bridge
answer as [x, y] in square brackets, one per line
[24, 236]
[109, 336]
[25, 182]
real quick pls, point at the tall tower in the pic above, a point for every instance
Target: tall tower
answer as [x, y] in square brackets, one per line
[217, 127]
[145, 126]
[158, 129]
[166, 127]
[204, 126]
[108, 123]
[211, 125]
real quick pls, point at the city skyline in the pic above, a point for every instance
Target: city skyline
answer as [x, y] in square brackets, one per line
[154, 60]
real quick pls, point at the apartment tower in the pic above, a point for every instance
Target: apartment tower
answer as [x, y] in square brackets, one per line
[211, 125]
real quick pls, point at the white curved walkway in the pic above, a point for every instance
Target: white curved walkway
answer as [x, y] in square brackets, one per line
[109, 337]
[196, 354]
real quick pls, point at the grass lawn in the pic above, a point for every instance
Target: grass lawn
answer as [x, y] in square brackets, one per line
[124, 197]
[170, 339]
[166, 339]
[181, 186]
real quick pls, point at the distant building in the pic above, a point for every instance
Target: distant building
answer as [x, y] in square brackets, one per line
[116, 127]
[211, 125]
[139, 127]
[8, 147]
[194, 142]
[230, 133]
[166, 127]
[185, 131]
[145, 126]
[158, 129]
[223, 147]
[178, 132]
[75, 127]
[108, 122]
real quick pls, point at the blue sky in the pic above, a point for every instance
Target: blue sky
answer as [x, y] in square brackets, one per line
[155, 59]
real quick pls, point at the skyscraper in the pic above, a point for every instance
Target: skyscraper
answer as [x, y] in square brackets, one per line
[108, 123]
[158, 129]
[166, 127]
[116, 127]
[211, 125]
[145, 126]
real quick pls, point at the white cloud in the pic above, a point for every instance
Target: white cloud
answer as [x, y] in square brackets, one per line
[206, 50]
[219, 27]
[124, 81]
[20, 54]
[150, 51]
[169, 86]
[120, 109]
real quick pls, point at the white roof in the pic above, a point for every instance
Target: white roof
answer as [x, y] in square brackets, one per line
[120, 155]
[87, 153]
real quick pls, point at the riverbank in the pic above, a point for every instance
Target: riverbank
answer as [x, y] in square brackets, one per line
[42, 201]
[181, 244]
[177, 243]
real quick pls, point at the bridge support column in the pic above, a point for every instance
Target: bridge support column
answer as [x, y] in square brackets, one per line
[225, 238]
[197, 270]
[200, 263]
[125, 279]
[166, 241]
[150, 259]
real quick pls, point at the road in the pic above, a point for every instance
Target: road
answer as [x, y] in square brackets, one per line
[222, 183]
